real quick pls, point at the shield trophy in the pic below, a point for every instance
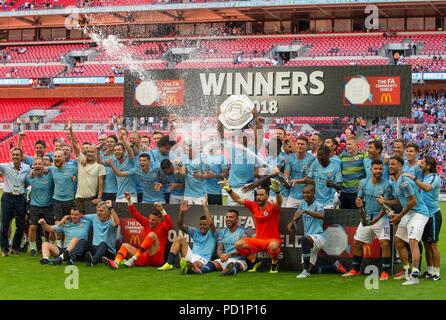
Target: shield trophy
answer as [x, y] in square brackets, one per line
[236, 112]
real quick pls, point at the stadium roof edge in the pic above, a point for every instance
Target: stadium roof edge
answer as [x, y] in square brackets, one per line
[213, 5]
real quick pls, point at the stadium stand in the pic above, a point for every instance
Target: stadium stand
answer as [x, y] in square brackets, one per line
[39, 53]
[10, 109]
[94, 110]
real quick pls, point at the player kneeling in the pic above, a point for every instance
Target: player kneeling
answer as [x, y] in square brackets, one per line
[312, 213]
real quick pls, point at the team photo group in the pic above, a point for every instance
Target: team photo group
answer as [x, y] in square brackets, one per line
[49, 194]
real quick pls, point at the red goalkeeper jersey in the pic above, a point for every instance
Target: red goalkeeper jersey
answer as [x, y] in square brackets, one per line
[267, 220]
[161, 231]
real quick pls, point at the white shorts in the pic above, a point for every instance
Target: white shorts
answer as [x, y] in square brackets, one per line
[411, 226]
[318, 244]
[174, 199]
[134, 199]
[329, 206]
[381, 230]
[284, 201]
[293, 203]
[249, 195]
[233, 260]
[192, 257]
[194, 200]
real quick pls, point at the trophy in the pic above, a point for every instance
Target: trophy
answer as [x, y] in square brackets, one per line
[236, 112]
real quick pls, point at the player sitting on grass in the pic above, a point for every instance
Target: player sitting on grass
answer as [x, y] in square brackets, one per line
[151, 250]
[204, 239]
[75, 229]
[266, 215]
[105, 223]
[229, 261]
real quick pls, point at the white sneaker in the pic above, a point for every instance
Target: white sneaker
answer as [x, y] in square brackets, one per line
[304, 274]
[130, 262]
[411, 281]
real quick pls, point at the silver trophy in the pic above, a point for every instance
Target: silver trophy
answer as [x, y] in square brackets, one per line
[284, 180]
[236, 112]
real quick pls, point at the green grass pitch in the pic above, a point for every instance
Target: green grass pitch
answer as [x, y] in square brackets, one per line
[22, 277]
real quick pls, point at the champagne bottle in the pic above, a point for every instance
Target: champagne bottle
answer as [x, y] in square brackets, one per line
[389, 211]
[363, 216]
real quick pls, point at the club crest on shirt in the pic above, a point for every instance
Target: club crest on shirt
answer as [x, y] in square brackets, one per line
[329, 174]
[265, 214]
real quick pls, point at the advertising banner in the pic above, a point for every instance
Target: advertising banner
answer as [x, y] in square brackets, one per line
[366, 91]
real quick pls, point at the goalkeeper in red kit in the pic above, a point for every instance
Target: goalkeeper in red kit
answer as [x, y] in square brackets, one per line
[266, 216]
[151, 250]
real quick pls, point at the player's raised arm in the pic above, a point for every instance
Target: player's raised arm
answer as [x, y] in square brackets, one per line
[275, 186]
[74, 142]
[234, 196]
[122, 136]
[184, 206]
[114, 216]
[209, 220]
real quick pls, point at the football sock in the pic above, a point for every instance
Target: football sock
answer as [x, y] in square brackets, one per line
[357, 262]
[209, 267]
[146, 244]
[33, 245]
[244, 251]
[274, 253]
[386, 264]
[171, 258]
[121, 255]
[306, 252]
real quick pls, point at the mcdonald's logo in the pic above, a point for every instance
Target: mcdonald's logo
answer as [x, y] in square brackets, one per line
[367, 251]
[386, 98]
[135, 241]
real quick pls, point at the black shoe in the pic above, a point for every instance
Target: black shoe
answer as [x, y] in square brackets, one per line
[24, 249]
[5, 253]
[33, 253]
[58, 260]
[89, 259]
[44, 261]
[68, 258]
[230, 270]
[436, 277]
[426, 275]
[14, 252]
